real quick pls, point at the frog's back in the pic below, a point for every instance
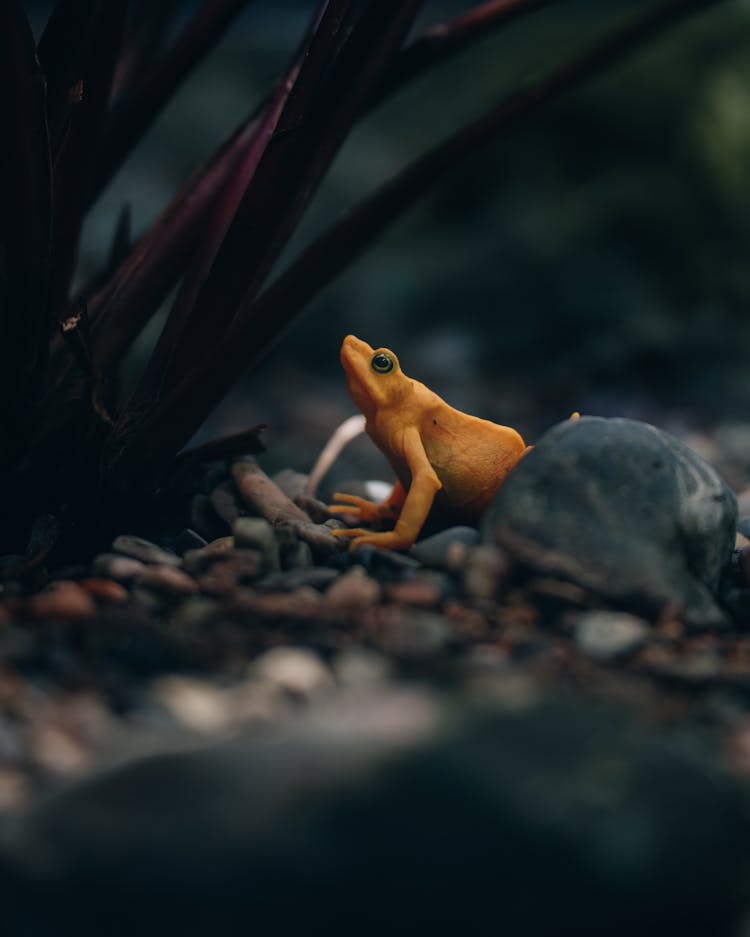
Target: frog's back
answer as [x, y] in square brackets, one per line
[471, 457]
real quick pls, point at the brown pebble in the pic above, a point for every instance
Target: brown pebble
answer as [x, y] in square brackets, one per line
[486, 571]
[355, 589]
[167, 579]
[105, 589]
[63, 599]
[418, 592]
[114, 566]
[197, 560]
[302, 604]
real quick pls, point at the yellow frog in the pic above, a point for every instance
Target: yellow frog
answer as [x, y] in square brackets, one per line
[440, 455]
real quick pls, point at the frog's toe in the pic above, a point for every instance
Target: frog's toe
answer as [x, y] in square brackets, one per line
[342, 509]
[350, 532]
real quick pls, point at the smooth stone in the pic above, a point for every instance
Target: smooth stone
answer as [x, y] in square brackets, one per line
[115, 566]
[298, 670]
[297, 555]
[316, 510]
[197, 560]
[291, 482]
[608, 635]
[623, 509]
[378, 562]
[226, 574]
[225, 502]
[204, 518]
[65, 600]
[188, 539]
[435, 550]
[354, 589]
[318, 577]
[106, 590]
[485, 572]
[144, 550]
[167, 580]
[257, 533]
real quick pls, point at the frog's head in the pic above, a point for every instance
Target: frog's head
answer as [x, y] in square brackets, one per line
[373, 376]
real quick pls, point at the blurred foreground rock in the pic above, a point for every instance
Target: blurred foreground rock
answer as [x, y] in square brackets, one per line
[402, 812]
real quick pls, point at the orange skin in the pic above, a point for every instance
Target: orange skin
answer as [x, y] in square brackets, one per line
[440, 455]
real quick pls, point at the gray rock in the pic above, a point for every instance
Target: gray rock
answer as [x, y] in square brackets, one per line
[188, 539]
[291, 482]
[624, 510]
[401, 814]
[205, 520]
[316, 510]
[257, 533]
[114, 566]
[609, 635]
[318, 577]
[297, 555]
[167, 580]
[144, 550]
[436, 550]
[298, 670]
[226, 503]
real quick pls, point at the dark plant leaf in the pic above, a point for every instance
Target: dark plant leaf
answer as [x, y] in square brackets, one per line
[321, 108]
[25, 242]
[62, 55]
[134, 112]
[78, 151]
[261, 321]
[145, 37]
[440, 42]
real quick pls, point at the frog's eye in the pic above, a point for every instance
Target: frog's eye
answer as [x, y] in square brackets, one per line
[382, 363]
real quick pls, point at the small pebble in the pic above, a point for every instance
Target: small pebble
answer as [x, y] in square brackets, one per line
[486, 572]
[196, 704]
[188, 539]
[224, 501]
[119, 568]
[107, 590]
[298, 670]
[144, 550]
[359, 667]
[316, 510]
[194, 613]
[419, 592]
[63, 599]
[168, 580]
[292, 483]
[257, 533]
[237, 567]
[319, 577]
[197, 560]
[609, 635]
[297, 555]
[204, 519]
[410, 633]
[354, 589]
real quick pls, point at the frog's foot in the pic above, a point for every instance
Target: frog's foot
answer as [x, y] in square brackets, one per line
[388, 540]
[367, 512]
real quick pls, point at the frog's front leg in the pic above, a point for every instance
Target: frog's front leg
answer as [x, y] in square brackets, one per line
[424, 486]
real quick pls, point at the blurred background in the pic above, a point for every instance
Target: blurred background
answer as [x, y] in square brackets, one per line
[596, 258]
